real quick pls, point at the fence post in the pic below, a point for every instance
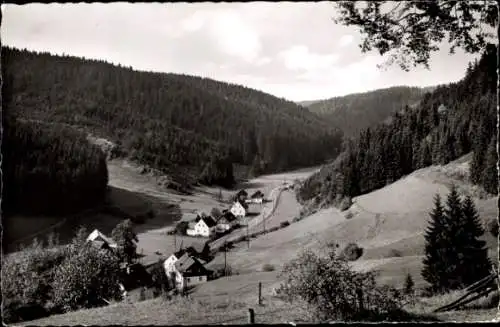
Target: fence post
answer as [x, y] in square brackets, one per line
[359, 293]
[260, 293]
[251, 316]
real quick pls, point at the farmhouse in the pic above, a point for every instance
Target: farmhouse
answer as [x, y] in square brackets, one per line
[204, 227]
[226, 221]
[169, 264]
[257, 197]
[241, 196]
[100, 240]
[239, 209]
[189, 271]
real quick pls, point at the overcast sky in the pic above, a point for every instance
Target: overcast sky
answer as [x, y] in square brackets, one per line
[291, 50]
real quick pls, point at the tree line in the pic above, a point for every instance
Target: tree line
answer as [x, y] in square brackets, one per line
[169, 120]
[453, 120]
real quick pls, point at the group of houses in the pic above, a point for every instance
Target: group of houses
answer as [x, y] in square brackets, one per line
[186, 267]
[206, 226]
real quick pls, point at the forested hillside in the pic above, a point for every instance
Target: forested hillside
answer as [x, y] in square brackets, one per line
[354, 112]
[50, 170]
[451, 121]
[169, 121]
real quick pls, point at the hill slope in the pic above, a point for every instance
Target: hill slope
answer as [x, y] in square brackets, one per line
[448, 123]
[171, 122]
[354, 112]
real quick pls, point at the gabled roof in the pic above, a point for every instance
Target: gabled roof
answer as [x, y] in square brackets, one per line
[189, 250]
[97, 236]
[243, 204]
[209, 221]
[257, 194]
[189, 265]
[228, 215]
[242, 192]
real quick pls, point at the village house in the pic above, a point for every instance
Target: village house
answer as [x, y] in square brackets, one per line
[242, 195]
[205, 226]
[239, 209]
[169, 264]
[189, 271]
[257, 197]
[100, 240]
[227, 221]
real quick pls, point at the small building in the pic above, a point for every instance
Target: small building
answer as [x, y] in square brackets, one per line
[205, 226]
[226, 221]
[100, 240]
[189, 271]
[239, 209]
[169, 264]
[242, 195]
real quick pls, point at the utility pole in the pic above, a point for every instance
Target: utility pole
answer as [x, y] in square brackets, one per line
[260, 293]
[225, 258]
[248, 239]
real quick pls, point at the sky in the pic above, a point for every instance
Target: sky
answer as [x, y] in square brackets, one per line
[288, 49]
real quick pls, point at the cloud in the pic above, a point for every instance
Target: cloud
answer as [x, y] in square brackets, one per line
[345, 40]
[298, 57]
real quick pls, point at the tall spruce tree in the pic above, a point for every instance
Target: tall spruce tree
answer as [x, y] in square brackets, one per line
[434, 270]
[451, 255]
[472, 251]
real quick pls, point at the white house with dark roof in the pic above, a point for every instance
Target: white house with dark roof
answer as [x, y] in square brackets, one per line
[189, 271]
[99, 239]
[204, 226]
[239, 209]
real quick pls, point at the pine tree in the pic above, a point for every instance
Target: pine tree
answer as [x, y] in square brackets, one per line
[434, 270]
[409, 285]
[474, 263]
[489, 178]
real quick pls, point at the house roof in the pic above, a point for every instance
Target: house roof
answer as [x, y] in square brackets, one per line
[189, 265]
[228, 215]
[242, 192]
[243, 204]
[257, 194]
[209, 221]
[189, 250]
[97, 236]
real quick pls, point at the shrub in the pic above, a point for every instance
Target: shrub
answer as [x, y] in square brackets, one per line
[216, 213]
[182, 227]
[285, 223]
[296, 219]
[274, 228]
[345, 204]
[492, 227]
[334, 292]
[351, 252]
[349, 215]
[268, 267]
[85, 278]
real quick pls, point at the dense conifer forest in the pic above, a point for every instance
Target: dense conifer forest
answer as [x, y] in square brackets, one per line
[169, 120]
[50, 169]
[355, 112]
[453, 120]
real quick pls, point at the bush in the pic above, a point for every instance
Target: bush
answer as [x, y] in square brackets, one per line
[284, 224]
[296, 219]
[274, 228]
[334, 292]
[268, 267]
[345, 204]
[349, 215]
[182, 227]
[492, 227]
[85, 278]
[215, 212]
[351, 252]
